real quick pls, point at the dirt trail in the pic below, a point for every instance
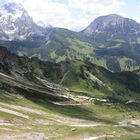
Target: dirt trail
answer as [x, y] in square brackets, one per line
[69, 104]
[6, 124]
[2, 74]
[14, 113]
[97, 137]
[57, 119]
[63, 78]
[26, 136]
[84, 125]
[130, 122]
[36, 111]
[77, 122]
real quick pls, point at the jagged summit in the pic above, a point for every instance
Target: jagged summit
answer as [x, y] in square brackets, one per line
[16, 24]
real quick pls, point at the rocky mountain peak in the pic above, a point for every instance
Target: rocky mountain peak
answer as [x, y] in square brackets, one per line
[16, 24]
[113, 24]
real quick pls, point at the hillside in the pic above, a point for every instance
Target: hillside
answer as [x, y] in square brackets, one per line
[74, 74]
[72, 99]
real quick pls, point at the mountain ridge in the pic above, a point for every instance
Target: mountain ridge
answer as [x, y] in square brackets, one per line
[113, 50]
[93, 27]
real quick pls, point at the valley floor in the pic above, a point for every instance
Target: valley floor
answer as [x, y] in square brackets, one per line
[24, 119]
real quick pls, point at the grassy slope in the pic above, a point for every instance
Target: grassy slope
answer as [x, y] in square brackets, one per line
[119, 86]
[98, 112]
[83, 77]
[123, 86]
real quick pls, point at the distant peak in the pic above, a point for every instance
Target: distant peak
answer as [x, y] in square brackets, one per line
[109, 17]
[15, 23]
[113, 24]
[113, 15]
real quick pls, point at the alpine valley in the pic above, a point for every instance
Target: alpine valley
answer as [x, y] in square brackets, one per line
[57, 84]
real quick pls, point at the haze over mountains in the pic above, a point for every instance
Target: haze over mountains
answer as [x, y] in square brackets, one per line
[111, 41]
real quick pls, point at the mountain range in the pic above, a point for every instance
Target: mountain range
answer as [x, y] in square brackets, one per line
[110, 41]
[64, 85]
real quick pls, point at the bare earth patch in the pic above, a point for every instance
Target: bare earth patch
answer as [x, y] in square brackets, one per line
[27, 136]
[130, 122]
[27, 109]
[97, 137]
[14, 113]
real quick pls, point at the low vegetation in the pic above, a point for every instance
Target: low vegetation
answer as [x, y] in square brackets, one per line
[68, 100]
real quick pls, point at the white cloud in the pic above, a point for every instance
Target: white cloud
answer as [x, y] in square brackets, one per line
[74, 14]
[97, 6]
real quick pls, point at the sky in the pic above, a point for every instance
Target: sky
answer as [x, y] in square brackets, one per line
[77, 14]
